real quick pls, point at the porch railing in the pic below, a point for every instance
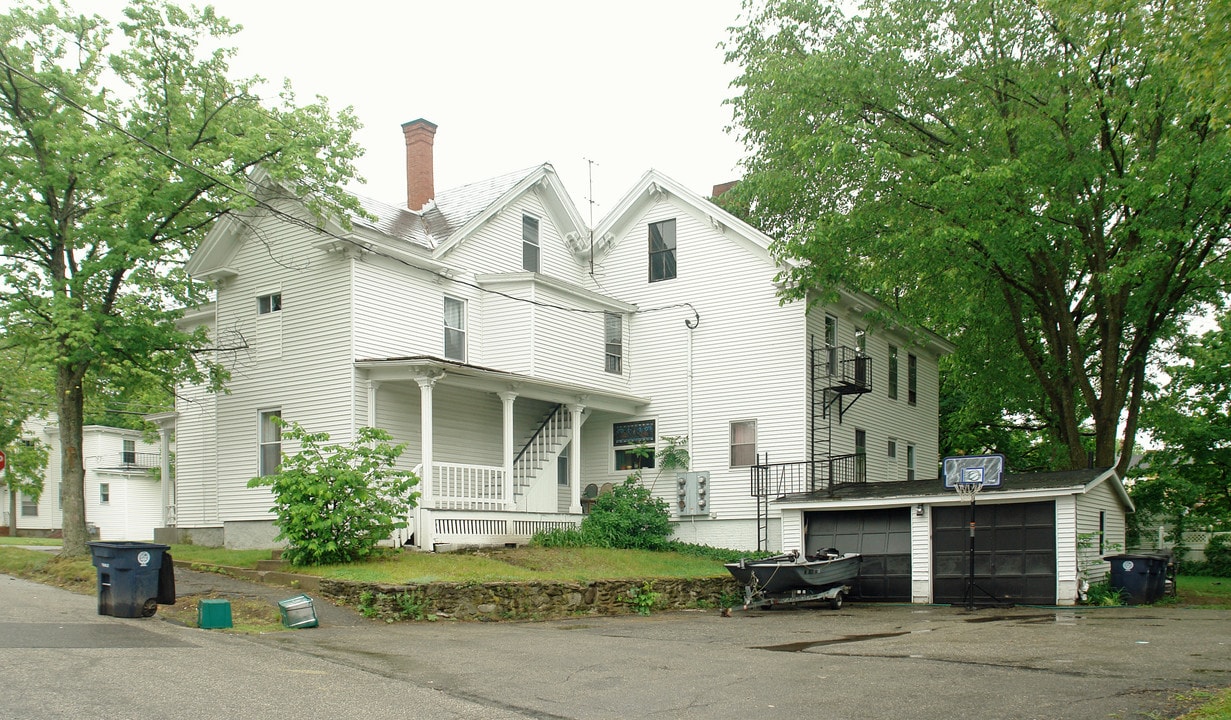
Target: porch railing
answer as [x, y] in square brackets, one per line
[778, 479]
[542, 447]
[467, 487]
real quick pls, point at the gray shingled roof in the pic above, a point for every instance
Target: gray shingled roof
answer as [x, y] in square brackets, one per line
[450, 210]
[396, 222]
[936, 486]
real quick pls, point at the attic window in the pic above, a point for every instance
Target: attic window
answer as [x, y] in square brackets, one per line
[271, 303]
[529, 243]
[662, 250]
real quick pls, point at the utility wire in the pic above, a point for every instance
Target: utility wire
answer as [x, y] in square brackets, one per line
[312, 226]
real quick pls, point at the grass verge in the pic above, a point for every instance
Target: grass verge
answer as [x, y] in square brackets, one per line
[249, 616]
[522, 564]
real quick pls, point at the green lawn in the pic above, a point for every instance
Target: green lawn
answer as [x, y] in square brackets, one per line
[523, 563]
[6, 540]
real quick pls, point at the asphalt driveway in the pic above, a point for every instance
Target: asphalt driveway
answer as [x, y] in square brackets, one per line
[864, 661]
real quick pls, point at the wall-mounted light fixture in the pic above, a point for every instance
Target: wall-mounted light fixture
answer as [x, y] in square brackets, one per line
[919, 510]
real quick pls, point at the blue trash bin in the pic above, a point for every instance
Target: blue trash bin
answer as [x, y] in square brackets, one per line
[1141, 576]
[127, 577]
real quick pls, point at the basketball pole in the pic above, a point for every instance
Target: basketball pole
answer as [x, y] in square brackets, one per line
[970, 577]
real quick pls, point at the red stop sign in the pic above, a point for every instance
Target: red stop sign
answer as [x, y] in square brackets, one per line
[2, 459]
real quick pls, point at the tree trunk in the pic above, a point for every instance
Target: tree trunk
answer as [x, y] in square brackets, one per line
[12, 511]
[72, 467]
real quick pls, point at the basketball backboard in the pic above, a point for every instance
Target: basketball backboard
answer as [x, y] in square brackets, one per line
[984, 470]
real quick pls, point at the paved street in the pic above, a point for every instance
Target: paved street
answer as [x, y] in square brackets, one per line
[865, 661]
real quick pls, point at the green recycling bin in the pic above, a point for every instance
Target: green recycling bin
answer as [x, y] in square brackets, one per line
[128, 577]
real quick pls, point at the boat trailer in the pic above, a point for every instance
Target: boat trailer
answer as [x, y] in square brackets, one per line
[833, 595]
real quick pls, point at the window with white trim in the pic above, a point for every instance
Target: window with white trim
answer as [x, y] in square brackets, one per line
[129, 453]
[662, 250]
[270, 303]
[269, 442]
[633, 443]
[104, 493]
[529, 243]
[831, 345]
[455, 329]
[29, 506]
[893, 372]
[910, 462]
[743, 443]
[613, 339]
[912, 379]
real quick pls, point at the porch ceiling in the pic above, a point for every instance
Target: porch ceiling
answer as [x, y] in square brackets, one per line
[412, 369]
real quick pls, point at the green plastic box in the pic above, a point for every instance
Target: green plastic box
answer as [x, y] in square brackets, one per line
[214, 614]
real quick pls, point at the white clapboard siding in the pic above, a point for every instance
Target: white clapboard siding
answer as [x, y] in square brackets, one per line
[1100, 499]
[196, 458]
[1066, 549]
[309, 379]
[398, 311]
[496, 246]
[746, 358]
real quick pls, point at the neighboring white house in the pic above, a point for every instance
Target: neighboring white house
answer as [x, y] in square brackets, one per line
[523, 356]
[123, 489]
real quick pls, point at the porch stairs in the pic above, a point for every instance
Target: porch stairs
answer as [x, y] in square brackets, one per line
[838, 377]
[541, 449]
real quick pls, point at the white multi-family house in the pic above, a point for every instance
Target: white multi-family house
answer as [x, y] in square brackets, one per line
[524, 357]
[123, 484]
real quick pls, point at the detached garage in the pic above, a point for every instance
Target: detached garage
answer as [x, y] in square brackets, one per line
[1036, 536]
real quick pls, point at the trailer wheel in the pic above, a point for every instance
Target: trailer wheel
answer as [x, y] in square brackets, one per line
[835, 602]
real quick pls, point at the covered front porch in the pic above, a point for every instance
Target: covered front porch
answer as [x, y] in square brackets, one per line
[503, 449]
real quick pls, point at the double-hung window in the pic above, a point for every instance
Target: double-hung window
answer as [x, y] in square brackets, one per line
[910, 462]
[270, 441]
[634, 444]
[529, 243]
[893, 372]
[455, 329]
[743, 443]
[912, 379]
[129, 453]
[662, 250]
[104, 493]
[831, 345]
[29, 506]
[613, 331]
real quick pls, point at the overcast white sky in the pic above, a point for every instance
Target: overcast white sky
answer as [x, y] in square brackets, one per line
[629, 84]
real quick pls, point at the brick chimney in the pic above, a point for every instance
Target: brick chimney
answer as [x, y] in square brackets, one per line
[420, 176]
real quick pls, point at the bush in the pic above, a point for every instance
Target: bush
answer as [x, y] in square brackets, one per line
[334, 503]
[1217, 557]
[629, 517]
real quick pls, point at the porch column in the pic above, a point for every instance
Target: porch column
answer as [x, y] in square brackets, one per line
[166, 426]
[507, 398]
[424, 532]
[574, 460]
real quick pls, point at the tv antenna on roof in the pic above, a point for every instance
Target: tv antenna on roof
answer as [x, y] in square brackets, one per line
[967, 475]
[590, 178]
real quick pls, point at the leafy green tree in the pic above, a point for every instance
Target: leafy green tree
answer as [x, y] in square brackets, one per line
[335, 503]
[1041, 181]
[22, 396]
[120, 149]
[1187, 481]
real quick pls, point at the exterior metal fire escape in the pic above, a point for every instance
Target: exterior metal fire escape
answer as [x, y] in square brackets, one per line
[837, 377]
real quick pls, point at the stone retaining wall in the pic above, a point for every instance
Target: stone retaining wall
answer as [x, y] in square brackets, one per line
[529, 600]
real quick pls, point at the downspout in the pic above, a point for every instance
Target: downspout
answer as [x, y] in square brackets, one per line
[691, 324]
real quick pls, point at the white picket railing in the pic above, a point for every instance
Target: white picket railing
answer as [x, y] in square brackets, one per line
[467, 487]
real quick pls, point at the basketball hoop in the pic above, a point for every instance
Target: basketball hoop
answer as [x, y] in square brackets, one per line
[968, 490]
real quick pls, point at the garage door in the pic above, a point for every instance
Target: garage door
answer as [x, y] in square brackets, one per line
[881, 536]
[1015, 553]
